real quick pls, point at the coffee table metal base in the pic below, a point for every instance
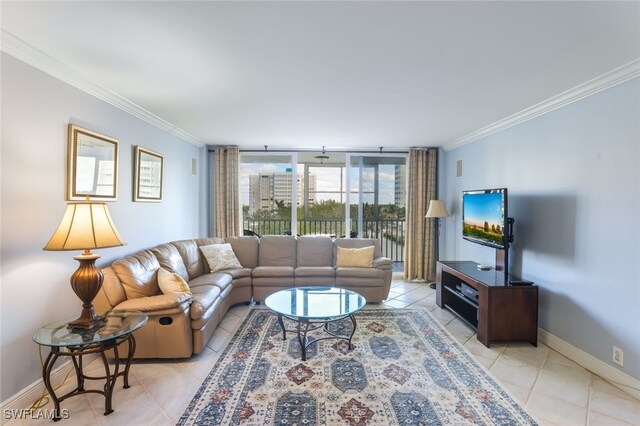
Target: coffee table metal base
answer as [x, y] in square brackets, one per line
[305, 325]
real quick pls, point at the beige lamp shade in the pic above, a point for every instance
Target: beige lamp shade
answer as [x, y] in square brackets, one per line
[85, 226]
[437, 209]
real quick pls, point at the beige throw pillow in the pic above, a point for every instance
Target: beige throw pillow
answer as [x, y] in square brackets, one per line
[172, 283]
[220, 257]
[355, 257]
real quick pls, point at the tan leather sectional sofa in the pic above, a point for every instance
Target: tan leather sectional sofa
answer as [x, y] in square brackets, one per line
[181, 325]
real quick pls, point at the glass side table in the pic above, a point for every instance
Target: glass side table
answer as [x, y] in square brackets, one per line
[117, 329]
[313, 308]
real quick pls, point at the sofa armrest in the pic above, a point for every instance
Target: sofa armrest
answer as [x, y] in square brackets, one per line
[160, 304]
[383, 263]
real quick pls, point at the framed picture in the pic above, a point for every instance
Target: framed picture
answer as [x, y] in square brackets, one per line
[147, 182]
[92, 165]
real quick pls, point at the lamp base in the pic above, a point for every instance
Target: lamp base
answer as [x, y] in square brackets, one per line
[86, 281]
[87, 323]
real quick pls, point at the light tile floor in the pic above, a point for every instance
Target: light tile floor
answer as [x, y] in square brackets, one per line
[554, 389]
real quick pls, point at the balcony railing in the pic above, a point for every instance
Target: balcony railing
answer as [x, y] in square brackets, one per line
[390, 232]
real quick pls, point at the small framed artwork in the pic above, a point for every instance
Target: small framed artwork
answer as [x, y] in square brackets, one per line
[147, 181]
[92, 165]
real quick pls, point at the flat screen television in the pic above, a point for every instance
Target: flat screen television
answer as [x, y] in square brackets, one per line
[484, 217]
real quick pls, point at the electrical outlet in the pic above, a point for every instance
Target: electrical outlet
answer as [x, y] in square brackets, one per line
[618, 356]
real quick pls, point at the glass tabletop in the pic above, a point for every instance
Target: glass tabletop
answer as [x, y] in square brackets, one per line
[118, 323]
[315, 302]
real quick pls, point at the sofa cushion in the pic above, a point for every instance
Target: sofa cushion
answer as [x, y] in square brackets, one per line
[246, 250]
[138, 274]
[207, 241]
[220, 257]
[359, 273]
[169, 258]
[218, 279]
[314, 251]
[315, 271]
[191, 257]
[354, 257]
[357, 243]
[203, 297]
[272, 271]
[160, 302]
[277, 250]
[239, 273]
[112, 287]
[172, 283]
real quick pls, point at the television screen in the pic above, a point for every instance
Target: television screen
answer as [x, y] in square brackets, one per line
[484, 217]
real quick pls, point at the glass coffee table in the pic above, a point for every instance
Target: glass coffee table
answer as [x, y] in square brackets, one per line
[313, 308]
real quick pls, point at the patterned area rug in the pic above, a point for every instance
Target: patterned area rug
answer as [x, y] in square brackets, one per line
[405, 369]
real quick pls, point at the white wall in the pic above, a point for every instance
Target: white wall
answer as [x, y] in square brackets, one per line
[35, 290]
[573, 177]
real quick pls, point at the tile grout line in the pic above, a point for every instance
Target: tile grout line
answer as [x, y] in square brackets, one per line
[496, 358]
[535, 382]
[591, 375]
[99, 416]
[150, 395]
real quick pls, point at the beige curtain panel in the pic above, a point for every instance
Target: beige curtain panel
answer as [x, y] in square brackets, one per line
[420, 244]
[228, 218]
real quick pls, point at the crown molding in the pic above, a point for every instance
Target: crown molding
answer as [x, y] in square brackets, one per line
[24, 52]
[616, 76]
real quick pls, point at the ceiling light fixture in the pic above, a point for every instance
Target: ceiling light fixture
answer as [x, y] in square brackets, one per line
[322, 158]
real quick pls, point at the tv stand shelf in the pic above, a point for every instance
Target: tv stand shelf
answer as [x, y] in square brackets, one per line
[502, 312]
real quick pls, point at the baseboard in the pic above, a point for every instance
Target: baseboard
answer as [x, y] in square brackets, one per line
[26, 397]
[611, 374]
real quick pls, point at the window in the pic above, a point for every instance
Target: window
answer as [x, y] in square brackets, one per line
[297, 191]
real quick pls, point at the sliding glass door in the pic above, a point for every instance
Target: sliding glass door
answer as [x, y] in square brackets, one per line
[333, 194]
[376, 200]
[322, 210]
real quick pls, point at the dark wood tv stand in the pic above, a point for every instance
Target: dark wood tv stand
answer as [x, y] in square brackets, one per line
[501, 313]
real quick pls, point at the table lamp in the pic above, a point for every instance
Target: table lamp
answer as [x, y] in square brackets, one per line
[436, 211]
[85, 225]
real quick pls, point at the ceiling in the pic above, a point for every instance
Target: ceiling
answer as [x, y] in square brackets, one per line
[356, 74]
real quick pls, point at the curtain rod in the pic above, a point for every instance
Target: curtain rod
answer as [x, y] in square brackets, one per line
[319, 150]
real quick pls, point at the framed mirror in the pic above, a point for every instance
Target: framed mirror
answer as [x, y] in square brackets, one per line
[92, 165]
[147, 182]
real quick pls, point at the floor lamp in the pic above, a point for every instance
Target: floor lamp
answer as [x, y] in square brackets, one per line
[436, 211]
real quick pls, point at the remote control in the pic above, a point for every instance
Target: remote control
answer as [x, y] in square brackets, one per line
[520, 282]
